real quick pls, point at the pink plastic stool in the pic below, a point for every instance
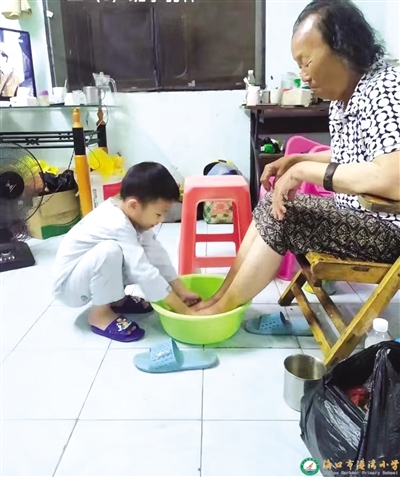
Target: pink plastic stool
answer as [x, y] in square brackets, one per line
[299, 145]
[209, 188]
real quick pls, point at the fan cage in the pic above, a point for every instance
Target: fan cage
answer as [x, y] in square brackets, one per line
[15, 212]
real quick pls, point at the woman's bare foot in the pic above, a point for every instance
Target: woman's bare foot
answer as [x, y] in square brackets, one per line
[101, 316]
[210, 310]
[220, 306]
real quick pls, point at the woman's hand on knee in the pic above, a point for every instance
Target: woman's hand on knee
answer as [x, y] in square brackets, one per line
[276, 169]
[285, 189]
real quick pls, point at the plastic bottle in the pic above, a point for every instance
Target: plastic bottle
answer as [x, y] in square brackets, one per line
[43, 98]
[249, 81]
[250, 78]
[378, 333]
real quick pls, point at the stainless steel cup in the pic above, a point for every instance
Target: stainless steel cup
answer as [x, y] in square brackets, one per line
[301, 372]
[92, 94]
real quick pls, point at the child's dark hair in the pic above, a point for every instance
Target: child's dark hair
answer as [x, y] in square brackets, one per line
[148, 182]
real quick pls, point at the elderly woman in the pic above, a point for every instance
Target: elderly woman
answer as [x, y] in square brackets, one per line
[341, 60]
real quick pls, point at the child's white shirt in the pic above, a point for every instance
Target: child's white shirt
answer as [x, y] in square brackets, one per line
[146, 263]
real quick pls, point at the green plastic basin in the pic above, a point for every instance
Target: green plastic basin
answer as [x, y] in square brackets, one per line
[201, 330]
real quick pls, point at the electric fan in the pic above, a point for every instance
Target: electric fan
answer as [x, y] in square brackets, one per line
[21, 193]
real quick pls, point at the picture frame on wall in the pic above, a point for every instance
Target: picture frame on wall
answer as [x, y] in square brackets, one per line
[16, 64]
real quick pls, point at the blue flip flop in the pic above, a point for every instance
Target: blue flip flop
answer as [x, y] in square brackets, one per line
[166, 357]
[276, 324]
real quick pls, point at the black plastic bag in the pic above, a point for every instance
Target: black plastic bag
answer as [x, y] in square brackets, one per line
[339, 434]
[59, 183]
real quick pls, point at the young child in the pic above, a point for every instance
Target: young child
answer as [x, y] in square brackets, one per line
[113, 247]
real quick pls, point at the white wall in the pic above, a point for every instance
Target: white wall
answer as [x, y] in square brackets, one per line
[392, 28]
[384, 16]
[184, 129]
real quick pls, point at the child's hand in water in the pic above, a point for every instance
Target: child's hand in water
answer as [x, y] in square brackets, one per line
[202, 305]
[187, 296]
[190, 299]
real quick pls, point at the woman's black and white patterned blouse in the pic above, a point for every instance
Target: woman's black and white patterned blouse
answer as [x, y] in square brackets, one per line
[369, 126]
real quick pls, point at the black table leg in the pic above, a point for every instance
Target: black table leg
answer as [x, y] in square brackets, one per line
[254, 165]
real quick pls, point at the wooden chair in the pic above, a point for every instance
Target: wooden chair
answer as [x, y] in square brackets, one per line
[316, 267]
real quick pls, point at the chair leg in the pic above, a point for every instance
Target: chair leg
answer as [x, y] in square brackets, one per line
[236, 226]
[187, 243]
[361, 323]
[288, 295]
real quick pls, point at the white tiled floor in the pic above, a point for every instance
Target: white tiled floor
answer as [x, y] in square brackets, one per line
[73, 404]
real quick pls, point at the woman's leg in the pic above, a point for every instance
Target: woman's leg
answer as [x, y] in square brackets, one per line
[256, 272]
[311, 224]
[244, 249]
[256, 265]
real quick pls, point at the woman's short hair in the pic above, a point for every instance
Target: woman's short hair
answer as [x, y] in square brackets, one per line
[346, 31]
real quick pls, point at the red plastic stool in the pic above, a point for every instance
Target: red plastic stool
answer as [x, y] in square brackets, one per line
[209, 188]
